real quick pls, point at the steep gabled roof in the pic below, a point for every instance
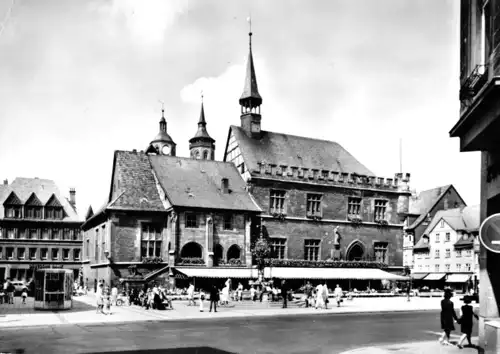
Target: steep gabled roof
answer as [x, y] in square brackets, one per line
[197, 183]
[53, 202]
[12, 199]
[426, 201]
[44, 189]
[90, 213]
[133, 185]
[297, 151]
[459, 219]
[34, 201]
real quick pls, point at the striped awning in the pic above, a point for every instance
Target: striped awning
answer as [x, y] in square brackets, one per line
[458, 278]
[219, 272]
[435, 276]
[330, 273]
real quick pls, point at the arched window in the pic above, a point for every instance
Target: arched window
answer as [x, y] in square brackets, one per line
[355, 252]
[191, 250]
[197, 154]
[233, 252]
[218, 252]
[205, 155]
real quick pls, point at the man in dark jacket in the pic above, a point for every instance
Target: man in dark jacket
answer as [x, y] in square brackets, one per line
[284, 293]
[308, 291]
[214, 297]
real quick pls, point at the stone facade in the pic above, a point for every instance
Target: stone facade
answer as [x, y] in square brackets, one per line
[297, 226]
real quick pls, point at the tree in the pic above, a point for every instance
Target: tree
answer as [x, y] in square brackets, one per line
[261, 251]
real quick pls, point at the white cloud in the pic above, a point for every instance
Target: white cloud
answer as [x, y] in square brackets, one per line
[148, 20]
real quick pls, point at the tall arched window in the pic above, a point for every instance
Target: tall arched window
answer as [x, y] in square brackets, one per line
[205, 155]
[197, 154]
[355, 252]
[233, 252]
[218, 252]
[191, 250]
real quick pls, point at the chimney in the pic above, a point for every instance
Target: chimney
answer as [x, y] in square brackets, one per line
[225, 186]
[5, 181]
[72, 194]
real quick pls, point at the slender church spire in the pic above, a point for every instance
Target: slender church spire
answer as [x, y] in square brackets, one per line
[250, 97]
[251, 100]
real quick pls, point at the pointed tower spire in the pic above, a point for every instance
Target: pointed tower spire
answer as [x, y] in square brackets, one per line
[250, 97]
[202, 146]
[250, 100]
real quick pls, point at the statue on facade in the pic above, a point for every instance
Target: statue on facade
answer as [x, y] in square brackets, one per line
[210, 234]
[337, 238]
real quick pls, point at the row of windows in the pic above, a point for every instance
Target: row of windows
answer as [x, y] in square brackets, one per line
[33, 253]
[314, 206]
[41, 234]
[447, 254]
[447, 238]
[192, 221]
[34, 212]
[312, 248]
[467, 267]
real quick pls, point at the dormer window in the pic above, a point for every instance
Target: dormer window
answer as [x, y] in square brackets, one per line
[13, 211]
[225, 185]
[54, 213]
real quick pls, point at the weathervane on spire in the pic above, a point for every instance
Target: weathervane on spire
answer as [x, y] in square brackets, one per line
[249, 20]
[162, 107]
[201, 96]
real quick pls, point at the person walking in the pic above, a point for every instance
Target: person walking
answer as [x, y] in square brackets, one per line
[190, 292]
[202, 300]
[319, 296]
[114, 295]
[447, 316]
[466, 321]
[284, 293]
[214, 297]
[325, 294]
[99, 299]
[338, 294]
[308, 292]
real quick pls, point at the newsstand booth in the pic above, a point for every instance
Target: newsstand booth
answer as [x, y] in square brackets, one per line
[53, 289]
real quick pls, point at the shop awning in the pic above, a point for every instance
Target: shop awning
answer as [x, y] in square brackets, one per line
[435, 276]
[419, 276]
[458, 278]
[241, 273]
[330, 273]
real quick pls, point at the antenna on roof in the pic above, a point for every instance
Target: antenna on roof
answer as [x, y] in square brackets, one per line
[400, 155]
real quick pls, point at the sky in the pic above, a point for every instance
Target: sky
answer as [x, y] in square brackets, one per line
[81, 79]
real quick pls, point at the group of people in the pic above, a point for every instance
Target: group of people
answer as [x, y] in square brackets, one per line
[105, 296]
[8, 290]
[318, 297]
[449, 317]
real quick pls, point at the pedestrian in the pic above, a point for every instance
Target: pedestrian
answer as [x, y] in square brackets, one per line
[190, 293]
[10, 291]
[240, 292]
[99, 299]
[338, 294]
[214, 297]
[107, 301]
[447, 316]
[319, 296]
[284, 293]
[325, 294]
[114, 295]
[466, 321]
[24, 295]
[253, 293]
[408, 291]
[202, 299]
[308, 291]
[5, 288]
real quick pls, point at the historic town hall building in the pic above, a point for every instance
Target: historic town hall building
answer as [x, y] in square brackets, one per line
[318, 201]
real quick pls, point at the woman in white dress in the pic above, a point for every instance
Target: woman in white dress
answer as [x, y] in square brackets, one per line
[319, 296]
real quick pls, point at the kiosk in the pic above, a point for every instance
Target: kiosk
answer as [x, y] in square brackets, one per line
[53, 289]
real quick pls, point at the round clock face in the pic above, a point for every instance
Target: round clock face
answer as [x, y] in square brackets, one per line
[165, 150]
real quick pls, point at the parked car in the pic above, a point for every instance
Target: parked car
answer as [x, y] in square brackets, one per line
[19, 286]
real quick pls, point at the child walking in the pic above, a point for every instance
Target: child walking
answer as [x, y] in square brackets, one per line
[466, 322]
[24, 295]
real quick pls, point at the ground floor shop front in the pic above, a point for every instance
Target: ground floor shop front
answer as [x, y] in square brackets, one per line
[25, 271]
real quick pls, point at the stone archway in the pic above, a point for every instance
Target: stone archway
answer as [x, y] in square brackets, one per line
[192, 250]
[355, 252]
[234, 252]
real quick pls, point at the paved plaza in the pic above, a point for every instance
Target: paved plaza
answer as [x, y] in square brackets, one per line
[83, 311]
